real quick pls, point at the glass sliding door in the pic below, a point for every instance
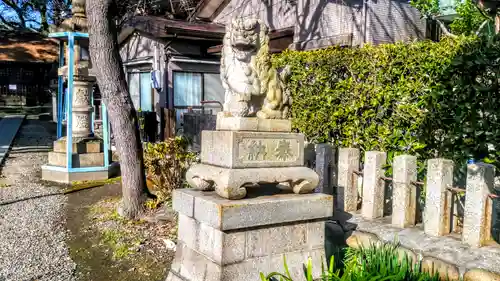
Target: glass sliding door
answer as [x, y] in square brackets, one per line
[187, 93]
[146, 92]
[213, 91]
[139, 85]
[134, 88]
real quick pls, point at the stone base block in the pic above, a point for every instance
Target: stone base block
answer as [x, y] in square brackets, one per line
[79, 160]
[221, 240]
[252, 149]
[229, 123]
[88, 145]
[233, 183]
[225, 214]
[52, 175]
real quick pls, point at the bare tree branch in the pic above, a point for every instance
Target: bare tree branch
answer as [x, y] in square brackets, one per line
[482, 26]
[445, 29]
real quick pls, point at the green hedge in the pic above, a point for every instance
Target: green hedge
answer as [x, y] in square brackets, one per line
[424, 98]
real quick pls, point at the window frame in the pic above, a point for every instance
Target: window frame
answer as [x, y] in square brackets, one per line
[202, 73]
[138, 70]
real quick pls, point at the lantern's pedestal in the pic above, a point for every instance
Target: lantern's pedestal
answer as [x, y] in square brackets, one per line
[87, 153]
[227, 240]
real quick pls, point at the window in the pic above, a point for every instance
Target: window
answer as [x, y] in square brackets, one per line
[139, 84]
[191, 88]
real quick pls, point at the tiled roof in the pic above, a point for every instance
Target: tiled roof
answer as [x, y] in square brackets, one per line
[27, 47]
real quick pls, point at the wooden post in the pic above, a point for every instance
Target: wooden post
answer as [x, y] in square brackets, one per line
[169, 130]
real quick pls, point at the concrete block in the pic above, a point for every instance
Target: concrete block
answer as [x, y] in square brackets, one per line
[220, 247]
[276, 240]
[193, 266]
[438, 200]
[188, 231]
[251, 268]
[232, 149]
[373, 186]
[229, 123]
[315, 235]
[183, 201]
[49, 174]
[224, 214]
[78, 160]
[79, 146]
[347, 192]
[404, 198]
[477, 216]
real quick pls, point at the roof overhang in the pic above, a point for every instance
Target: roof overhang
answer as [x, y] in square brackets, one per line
[158, 27]
[274, 36]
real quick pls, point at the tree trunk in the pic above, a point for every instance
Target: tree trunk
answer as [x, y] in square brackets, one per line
[113, 86]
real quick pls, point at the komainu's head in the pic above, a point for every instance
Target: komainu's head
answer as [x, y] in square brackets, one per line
[245, 37]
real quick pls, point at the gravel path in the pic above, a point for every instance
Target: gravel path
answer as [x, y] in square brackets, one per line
[32, 232]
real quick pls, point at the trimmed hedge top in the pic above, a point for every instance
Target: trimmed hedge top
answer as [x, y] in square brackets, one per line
[428, 99]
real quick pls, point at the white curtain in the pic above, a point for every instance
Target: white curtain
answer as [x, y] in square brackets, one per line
[187, 89]
[133, 87]
[146, 95]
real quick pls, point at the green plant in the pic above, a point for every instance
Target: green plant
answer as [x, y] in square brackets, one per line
[428, 99]
[374, 263]
[166, 164]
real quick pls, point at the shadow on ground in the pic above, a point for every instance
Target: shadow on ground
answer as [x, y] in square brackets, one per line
[94, 258]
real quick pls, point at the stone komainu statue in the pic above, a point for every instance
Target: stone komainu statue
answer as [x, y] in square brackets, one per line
[252, 86]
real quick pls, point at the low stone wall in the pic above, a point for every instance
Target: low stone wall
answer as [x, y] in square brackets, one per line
[446, 256]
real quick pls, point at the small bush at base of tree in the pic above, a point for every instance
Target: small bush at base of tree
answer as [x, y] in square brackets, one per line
[166, 164]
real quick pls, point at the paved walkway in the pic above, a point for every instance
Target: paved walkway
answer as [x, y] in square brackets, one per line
[9, 125]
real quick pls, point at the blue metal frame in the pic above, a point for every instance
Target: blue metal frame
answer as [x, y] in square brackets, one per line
[64, 107]
[60, 84]
[69, 108]
[64, 35]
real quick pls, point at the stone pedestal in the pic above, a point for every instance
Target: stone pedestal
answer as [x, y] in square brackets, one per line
[246, 152]
[225, 240]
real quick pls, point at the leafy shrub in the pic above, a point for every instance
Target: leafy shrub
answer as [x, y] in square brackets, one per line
[372, 263]
[428, 99]
[166, 164]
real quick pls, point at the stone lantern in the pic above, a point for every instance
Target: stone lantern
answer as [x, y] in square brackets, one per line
[79, 155]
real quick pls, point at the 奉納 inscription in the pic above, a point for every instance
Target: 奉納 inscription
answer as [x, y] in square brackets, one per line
[274, 150]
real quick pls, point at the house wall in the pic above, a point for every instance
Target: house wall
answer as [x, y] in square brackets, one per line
[356, 22]
[320, 23]
[141, 48]
[277, 14]
[393, 20]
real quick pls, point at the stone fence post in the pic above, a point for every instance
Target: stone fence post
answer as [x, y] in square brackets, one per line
[438, 200]
[373, 186]
[325, 168]
[347, 192]
[478, 206]
[404, 198]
